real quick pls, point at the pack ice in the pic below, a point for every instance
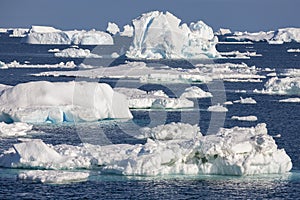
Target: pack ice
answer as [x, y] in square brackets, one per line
[159, 35]
[175, 148]
[282, 86]
[50, 35]
[44, 101]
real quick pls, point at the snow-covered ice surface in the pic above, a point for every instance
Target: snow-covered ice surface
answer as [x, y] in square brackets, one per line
[112, 28]
[245, 118]
[195, 92]
[217, 108]
[76, 53]
[139, 99]
[159, 35]
[235, 151]
[50, 35]
[281, 86]
[248, 100]
[14, 129]
[53, 176]
[15, 64]
[55, 102]
[290, 100]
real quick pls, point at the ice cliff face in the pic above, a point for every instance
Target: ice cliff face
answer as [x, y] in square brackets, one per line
[159, 35]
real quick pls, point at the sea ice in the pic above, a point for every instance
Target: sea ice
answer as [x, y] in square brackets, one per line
[282, 86]
[174, 149]
[61, 101]
[195, 92]
[290, 100]
[112, 28]
[248, 100]
[15, 64]
[53, 176]
[217, 108]
[245, 118]
[293, 50]
[14, 129]
[159, 35]
[76, 53]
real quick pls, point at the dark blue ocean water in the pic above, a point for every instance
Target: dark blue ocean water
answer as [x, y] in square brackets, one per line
[281, 118]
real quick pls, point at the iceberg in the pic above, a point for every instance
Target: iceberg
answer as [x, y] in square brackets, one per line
[112, 28]
[248, 100]
[139, 99]
[223, 31]
[76, 53]
[281, 86]
[14, 129]
[170, 149]
[159, 35]
[245, 118]
[17, 32]
[195, 92]
[217, 108]
[56, 102]
[15, 64]
[128, 31]
[290, 100]
[50, 35]
[53, 176]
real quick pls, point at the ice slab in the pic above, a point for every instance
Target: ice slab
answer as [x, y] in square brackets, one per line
[14, 129]
[76, 53]
[159, 35]
[244, 118]
[112, 28]
[248, 100]
[282, 86]
[128, 31]
[290, 100]
[195, 92]
[15, 64]
[61, 101]
[217, 108]
[173, 149]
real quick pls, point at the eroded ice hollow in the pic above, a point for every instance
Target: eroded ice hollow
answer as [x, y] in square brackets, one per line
[42, 101]
[174, 148]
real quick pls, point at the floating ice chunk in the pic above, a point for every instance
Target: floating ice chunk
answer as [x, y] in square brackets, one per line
[159, 35]
[291, 73]
[290, 100]
[172, 103]
[17, 32]
[115, 55]
[195, 92]
[76, 53]
[50, 35]
[15, 64]
[14, 129]
[246, 36]
[287, 35]
[245, 118]
[223, 31]
[293, 50]
[248, 100]
[112, 28]
[172, 131]
[128, 31]
[53, 176]
[282, 86]
[228, 103]
[62, 101]
[273, 74]
[217, 108]
[239, 55]
[53, 50]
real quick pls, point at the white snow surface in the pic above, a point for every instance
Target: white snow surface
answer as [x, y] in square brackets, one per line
[139, 99]
[245, 118]
[14, 129]
[50, 35]
[112, 28]
[55, 102]
[53, 176]
[15, 64]
[217, 108]
[159, 35]
[248, 100]
[195, 92]
[76, 53]
[281, 86]
[234, 151]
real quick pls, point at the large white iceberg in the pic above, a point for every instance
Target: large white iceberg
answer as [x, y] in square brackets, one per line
[234, 151]
[50, 35]
[61, 101]
[195, 92]
[159, 35]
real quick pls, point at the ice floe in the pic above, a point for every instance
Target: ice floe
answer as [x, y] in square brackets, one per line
[112, 28]
[245, 118]
[139, 99]
[53, 176]
[76, 53]
[50, 35]
[173, 149]
[290, 100]
[55, 102]
[217, 108]
[281, 86]
[15, 64]
[14, 129]
[293, 50]
[239, 55]
[223, 31]
[159, 35]
[248, 100]
[195, 92]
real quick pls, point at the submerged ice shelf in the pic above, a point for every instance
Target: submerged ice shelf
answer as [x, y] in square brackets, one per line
[170, 149]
